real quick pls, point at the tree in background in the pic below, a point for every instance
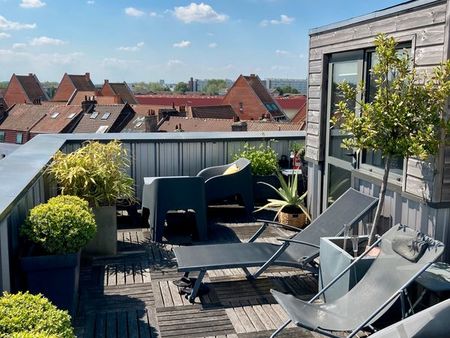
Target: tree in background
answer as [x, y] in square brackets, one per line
[4, 84]
[181, 87]
[286, 90]
[215, 86]
[406, 117]
[146, 87]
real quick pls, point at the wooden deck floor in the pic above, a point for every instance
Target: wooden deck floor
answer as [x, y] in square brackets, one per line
[132, 294]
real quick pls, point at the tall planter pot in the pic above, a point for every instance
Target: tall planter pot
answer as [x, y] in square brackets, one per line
[104, 242]
[262, 192]
[56, 277]
[333, 260]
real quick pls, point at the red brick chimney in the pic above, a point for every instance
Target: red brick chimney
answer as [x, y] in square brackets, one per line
[88, 76]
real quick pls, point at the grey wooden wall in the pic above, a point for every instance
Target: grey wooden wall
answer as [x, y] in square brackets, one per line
[424, 24]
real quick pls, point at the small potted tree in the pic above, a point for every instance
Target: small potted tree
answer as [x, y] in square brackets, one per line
[264, 162]
[24, 315]
[290, 206]
[58, 230]
[96, 172]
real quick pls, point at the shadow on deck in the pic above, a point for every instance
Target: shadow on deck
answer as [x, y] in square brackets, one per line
[132, 294]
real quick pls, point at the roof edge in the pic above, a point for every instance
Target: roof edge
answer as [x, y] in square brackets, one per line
[374, 15]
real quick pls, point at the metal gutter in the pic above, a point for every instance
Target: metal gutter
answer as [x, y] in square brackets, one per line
[404, 7]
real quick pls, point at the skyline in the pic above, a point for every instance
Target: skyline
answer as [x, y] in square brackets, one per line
[172, 40]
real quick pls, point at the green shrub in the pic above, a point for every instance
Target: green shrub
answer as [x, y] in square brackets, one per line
[264, 159]
[95, 172]
[24, 315]
[64, 224]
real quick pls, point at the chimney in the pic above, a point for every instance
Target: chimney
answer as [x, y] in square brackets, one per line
[252, 75]
[87, 76]
[88, 104]
[30, 74]
[239, 126]
[151, 122]
[106, 81]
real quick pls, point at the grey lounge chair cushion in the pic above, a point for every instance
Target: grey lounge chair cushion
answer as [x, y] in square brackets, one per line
[409, 247]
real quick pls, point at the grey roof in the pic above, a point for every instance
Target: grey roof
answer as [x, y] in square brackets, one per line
[7, 148]
[403, 7]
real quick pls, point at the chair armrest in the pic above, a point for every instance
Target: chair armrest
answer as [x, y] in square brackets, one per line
[209, 172]
[289, 240]
[263, 227]
[279, 225]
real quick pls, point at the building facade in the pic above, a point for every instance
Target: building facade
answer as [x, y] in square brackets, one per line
[299, 84]
[418, 192]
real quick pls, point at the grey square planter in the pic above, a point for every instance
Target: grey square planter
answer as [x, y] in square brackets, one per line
[333, 260]
[105, 241]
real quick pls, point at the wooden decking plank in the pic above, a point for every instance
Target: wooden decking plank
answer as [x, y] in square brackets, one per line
[265, 319]
[132, 324]
[120, 274]
[122, 330]
[165, 292]
[89, 328]
[111, 325]
[159, 303]
[176, 297]
[235, 320]
[245, 321]
[146, 276]
[251, 314]
[143, 324]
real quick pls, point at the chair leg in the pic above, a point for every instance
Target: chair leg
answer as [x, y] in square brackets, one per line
[196, 287]
[281, 328]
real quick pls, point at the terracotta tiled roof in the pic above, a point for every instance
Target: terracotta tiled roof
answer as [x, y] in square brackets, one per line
[196, 124]
[124, 92]
[57, 119]
[144, 109]
[79, 97]
[23, 117]
[32, 87]
[82, 82]
[264, 95]
[300, 117]
[205, 125]
[272, 126]
[101, 120]
[291, 102]
[217, 112]
[179, 100]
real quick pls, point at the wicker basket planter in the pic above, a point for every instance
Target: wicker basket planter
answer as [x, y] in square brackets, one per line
[293, 218]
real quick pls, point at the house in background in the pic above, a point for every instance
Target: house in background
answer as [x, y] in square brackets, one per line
[418, 192]
[59, 119]
[24, 89]
[72, 83]
[120, 90]
[105, 119]
[251, 100]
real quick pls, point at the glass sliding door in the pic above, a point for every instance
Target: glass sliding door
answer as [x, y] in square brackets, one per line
[346, 67]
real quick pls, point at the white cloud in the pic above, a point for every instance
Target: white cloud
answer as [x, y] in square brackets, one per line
[117, 63]
[212, 45]
[32, 4]
[198, 13]
[282, 52]
[131, 11]
[62, 59]
[19, 45]
[138, 46]
[284, 20]
[4, 35]
[90, 2]
[172, 63]
[12, 25]
[153, 14]
[46, 41]
[182, 44]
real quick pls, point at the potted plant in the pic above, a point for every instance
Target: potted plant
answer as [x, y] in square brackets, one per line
[264, 162]
[58, 230]
[24, 315]
[406, 117]
[96, 172]
[291, 208]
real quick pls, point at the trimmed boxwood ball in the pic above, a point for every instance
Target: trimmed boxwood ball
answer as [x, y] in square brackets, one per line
[63, 225]
[25, 315]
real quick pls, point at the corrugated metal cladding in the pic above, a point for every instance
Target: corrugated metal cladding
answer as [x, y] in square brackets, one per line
[184, 157]
[9, 234]
[399, 209]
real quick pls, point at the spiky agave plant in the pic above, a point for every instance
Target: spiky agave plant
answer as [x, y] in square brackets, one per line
[288, 196]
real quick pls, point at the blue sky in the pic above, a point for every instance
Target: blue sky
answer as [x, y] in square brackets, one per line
[148, 40]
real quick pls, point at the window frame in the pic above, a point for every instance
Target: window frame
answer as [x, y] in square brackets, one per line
[2, 136]
[19, 135]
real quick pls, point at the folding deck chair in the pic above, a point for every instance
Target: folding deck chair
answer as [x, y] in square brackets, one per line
[431, 322]
[298, 251]
[404, 255]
